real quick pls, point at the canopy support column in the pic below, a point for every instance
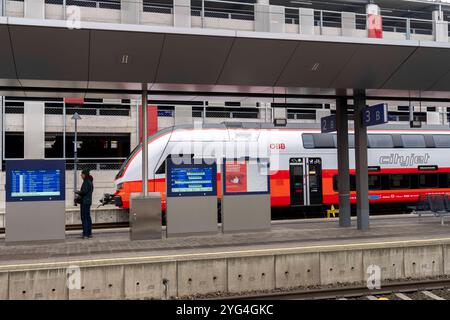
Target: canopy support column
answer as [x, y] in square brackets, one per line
[362, 172]
[343, 162]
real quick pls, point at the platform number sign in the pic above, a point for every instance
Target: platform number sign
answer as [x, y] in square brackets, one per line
[328, 124]
[375, 115]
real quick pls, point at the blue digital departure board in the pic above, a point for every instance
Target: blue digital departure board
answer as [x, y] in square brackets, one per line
[35, 183]
[35, 180]
[191, 179]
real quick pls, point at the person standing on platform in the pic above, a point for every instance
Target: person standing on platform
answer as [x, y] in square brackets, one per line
[85, 201]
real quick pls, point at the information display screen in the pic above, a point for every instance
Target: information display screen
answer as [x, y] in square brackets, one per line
[35, 180]
[34, 183]
[191, 179]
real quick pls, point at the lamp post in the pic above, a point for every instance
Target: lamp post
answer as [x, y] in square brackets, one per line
[75, 117]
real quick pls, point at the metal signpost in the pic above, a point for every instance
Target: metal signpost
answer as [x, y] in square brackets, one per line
[75, 117]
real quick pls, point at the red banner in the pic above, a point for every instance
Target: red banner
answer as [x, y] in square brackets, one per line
[152, 118]
[236, 176]
[375, 26]
[74, 100]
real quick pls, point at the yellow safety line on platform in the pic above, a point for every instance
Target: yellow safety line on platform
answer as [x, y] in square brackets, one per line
[193, 255]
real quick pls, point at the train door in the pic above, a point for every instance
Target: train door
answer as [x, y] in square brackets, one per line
[305, 181]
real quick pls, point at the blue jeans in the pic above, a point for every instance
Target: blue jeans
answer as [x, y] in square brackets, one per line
[86, 219]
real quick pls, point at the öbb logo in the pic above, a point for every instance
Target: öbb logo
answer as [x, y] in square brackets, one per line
[277, 146]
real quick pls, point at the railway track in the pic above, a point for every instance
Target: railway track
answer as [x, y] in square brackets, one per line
[408, 290]
[98, 226]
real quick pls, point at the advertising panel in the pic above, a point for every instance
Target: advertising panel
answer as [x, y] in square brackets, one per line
[246, 176]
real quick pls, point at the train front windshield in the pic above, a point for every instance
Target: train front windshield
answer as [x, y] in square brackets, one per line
[124, 165]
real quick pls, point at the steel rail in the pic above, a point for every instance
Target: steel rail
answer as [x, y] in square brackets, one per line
[347, 291]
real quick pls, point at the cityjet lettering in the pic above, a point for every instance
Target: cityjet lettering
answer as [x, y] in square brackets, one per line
[404, 161]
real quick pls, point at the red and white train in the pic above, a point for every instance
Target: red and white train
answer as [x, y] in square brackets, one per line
[403, 163]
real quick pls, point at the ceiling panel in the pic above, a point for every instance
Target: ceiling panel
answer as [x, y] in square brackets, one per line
[256, 62]
[423, 69]
[316, 64]
[124, 56]
[192, 59]
[46, 53]
[7, 70]
[371, 66]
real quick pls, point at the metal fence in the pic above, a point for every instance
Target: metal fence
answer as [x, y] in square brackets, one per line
[233, 10]
[95, 164]
[52, 109]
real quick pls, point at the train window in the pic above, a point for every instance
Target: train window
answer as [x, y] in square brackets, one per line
[428, 180]
[351, 140]
[374, 182]
[413, 141]
[317, 140]
[308, 142]
[442, 140]
[323, 141]
[162, 168]
[399, 181]
[335, 183]
[352, 183]
[444, 179]
[380, 141]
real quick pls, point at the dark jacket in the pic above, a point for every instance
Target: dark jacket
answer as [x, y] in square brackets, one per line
[86, 190]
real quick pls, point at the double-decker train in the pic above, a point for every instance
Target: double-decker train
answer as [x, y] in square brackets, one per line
[403, 163]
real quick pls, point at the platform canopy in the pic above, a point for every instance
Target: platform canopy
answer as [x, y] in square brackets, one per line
[43, 57]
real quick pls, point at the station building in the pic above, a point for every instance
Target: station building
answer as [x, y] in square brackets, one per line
[110, 128]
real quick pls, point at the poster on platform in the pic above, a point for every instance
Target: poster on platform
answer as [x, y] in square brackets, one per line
[246, 176]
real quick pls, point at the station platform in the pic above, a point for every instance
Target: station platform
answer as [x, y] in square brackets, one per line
[294, 254]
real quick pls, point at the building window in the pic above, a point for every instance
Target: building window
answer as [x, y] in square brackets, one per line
[54, 145]
[14, 145]
[99, 145]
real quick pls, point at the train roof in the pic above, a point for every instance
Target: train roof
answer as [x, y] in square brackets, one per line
[305, 126]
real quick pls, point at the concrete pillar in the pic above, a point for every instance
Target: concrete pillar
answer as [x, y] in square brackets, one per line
[182, 13]
[34, 129]
[183, 115]
[306, 24]
[269, 18]
[265, 112]
[2, 110]
[433, 118]
[2, 8]
[362, 172]
[440, 27]
[343, 162]
[348, 24]
[130, 11]
[144, 120]
[320, 113]
[34, 9]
